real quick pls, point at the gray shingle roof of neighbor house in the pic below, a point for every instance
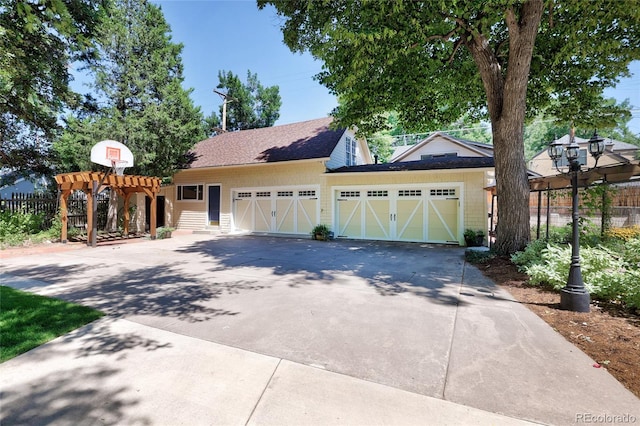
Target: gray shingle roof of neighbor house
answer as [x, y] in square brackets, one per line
[441, 163]
[297, 141]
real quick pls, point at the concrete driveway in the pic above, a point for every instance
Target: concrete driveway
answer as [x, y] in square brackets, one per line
[409, 324]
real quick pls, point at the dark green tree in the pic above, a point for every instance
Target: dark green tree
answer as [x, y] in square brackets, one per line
[38, 41]
[250, 105]
[501, 60]
[140, 100]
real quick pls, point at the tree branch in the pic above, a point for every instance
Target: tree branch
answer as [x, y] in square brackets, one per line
[456, 46]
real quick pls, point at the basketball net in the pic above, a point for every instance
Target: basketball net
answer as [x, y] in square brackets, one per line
[119, 166]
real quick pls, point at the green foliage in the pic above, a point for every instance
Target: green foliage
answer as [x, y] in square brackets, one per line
[252, 105]
[531, 255]
[28, 320]
[436, 61]
[478, 256]
[609, 272]
[138, 80]
[38, 41]
[15, 227]
[321, 231]
[164, 232]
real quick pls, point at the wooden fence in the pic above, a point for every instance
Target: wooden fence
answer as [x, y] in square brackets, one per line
[625, 207]
[47, 206]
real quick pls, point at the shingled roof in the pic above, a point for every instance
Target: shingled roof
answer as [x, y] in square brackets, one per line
[288, 142]
[442, 163]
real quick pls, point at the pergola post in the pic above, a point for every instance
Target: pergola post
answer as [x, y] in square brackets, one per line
[64, 215]
[92, 182]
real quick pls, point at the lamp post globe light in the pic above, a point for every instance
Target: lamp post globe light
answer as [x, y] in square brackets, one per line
[574, 296]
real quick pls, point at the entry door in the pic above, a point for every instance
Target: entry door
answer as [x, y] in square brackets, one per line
[214, 205]
[443, 215]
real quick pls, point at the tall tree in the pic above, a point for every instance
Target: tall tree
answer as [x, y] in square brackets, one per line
[38, 41]
[249, 105]
[140, 100]
[434, 61]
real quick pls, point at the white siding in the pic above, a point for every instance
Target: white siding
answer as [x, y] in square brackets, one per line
[338, 156]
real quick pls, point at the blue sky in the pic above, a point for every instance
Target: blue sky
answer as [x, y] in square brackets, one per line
[236, 36]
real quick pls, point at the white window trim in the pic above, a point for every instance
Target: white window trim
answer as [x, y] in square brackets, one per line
[178, 200]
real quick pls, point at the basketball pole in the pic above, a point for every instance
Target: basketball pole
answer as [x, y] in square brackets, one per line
[94, 193]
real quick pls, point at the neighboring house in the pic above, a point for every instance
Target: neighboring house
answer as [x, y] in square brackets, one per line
[25, 186]
[287, 179]
[616, 152]
[440, 145]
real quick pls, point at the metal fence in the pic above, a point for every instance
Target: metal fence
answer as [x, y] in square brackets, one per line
[47, 205]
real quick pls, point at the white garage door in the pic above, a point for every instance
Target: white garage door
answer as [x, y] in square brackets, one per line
[276, 210]
[398, 213]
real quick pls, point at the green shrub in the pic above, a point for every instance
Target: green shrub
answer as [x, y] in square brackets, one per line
[18, 225]
[531, 255]
[607, 275]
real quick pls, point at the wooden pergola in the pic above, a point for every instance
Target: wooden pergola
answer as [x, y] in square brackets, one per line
[92, 183]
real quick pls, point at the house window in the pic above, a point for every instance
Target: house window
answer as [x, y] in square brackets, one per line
[350, 144]
[447, 192]
[244, 195]
[410, 193]
[190, 192]
[377, 193]
[582, 159]
[263, 194]
[349, 194]
[285, 193]
[306, 193]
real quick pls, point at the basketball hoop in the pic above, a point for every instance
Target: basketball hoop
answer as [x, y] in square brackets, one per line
[119, 166]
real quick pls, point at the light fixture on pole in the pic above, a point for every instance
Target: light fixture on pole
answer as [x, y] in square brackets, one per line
[574, 296]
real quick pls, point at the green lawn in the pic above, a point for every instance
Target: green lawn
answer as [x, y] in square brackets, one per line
[28, 320]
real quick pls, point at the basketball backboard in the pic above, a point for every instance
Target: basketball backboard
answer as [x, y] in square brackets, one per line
[111, 154]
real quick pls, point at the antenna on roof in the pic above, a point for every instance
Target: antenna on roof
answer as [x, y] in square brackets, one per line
[225, 98]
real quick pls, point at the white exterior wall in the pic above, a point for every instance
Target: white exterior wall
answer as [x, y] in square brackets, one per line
[339, 155]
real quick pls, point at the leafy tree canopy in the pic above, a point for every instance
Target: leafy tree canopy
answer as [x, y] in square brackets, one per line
[38, 41]
[140, 100]
[436, 61]
[250, 105]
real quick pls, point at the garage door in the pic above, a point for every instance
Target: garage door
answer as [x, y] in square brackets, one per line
[396, 213]
[276, 210]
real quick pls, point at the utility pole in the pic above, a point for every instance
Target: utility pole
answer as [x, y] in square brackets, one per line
[225, 98]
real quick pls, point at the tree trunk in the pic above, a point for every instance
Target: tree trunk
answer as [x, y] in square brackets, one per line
[112, 213]
[506, 101]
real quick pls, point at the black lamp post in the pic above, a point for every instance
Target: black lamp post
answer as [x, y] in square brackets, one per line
[574, 296]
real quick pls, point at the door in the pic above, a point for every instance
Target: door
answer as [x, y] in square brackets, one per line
[443, 218]
[277, 210]
[214, 205]
[397, 213]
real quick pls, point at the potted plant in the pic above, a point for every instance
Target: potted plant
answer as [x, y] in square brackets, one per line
[321, 232]
[473, 238]
[164, 232]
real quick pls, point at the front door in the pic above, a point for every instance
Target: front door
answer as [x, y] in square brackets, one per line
[214, 205]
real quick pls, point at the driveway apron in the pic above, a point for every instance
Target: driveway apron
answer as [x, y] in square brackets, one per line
[413, 317]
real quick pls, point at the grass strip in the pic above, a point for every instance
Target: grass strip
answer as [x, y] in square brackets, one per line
[28, 320]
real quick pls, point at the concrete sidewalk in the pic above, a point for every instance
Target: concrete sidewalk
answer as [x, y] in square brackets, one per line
[120, 372]
[204, 330]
